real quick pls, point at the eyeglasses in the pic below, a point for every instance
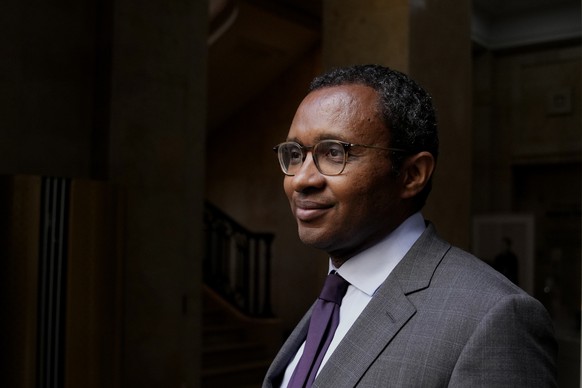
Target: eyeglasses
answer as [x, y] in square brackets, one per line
[329, 156]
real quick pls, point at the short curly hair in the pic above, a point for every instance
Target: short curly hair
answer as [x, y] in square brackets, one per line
[405, 107]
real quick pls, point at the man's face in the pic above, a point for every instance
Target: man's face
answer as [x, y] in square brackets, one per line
[346, 213]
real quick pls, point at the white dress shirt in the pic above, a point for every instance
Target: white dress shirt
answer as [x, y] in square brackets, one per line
[366, 272]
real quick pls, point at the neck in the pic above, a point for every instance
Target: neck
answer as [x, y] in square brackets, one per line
[340, 256]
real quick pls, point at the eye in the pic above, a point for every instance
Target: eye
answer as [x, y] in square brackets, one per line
[332, 152]
[293, 154]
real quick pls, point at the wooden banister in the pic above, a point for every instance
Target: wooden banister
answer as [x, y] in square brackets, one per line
[237, 263]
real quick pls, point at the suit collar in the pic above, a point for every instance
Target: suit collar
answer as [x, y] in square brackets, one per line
[388, 311]
[367, 270]
[416, 269]
[385, 315]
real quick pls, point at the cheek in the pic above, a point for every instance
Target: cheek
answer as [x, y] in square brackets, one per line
[371, 193]
[287, 186]
[353, 197]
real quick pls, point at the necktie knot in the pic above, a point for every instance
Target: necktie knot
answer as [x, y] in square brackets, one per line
[334, 288]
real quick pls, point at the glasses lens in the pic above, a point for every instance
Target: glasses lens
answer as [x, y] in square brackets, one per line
[290, 157]
[330, 157]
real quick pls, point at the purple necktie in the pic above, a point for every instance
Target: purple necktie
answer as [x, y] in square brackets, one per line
[322, 326]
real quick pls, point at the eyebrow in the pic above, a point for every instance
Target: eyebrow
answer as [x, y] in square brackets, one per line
[321, 137]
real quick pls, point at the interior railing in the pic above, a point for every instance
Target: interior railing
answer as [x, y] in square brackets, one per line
[237, 263]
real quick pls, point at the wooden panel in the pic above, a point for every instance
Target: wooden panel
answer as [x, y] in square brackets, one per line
[93, 285]
[94, 303]
[19, 231]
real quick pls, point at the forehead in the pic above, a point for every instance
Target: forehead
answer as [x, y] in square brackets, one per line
[346, 112]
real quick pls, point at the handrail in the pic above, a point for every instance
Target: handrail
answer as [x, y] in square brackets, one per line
[237, 262]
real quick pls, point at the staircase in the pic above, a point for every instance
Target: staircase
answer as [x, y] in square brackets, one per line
[236, 350]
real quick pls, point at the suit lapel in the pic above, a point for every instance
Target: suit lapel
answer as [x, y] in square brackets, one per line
[377, 325]
[388, 311]
[288, 350]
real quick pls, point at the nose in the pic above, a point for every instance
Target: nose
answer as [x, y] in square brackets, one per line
[308, 175]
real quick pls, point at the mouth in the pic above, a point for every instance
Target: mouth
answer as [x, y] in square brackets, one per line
[307, 211]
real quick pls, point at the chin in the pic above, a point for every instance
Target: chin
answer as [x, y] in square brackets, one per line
[314, 239]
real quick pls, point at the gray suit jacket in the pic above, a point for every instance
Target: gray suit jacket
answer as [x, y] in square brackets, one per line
[442, 318]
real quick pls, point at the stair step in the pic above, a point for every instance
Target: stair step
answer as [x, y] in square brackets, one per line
[214, 317]
[231, 353]
[225, 333]
[236, 350]
[230, 347]
[247, 374]
[232, 369]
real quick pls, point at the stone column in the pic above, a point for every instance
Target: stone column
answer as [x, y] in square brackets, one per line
[430, 41]
[158, 94]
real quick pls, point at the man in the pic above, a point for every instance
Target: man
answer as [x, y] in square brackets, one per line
[418, 312]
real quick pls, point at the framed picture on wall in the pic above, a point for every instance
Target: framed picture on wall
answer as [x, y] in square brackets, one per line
[506, 242]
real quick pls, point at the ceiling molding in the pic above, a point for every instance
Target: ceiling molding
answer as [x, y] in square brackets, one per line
[535, 26]
[221, 16]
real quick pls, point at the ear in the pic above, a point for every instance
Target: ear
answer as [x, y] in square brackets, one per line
[416, 172]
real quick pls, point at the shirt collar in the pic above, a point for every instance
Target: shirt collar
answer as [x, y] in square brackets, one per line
[368, 269]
